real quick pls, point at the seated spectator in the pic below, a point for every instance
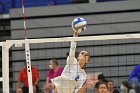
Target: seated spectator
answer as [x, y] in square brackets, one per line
[23, 77]
[101, 79]
[126, 88]
[102, 87]
[134, 78]
[111, 88]
[54, 71]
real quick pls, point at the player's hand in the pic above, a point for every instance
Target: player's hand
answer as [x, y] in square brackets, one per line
[89, 84]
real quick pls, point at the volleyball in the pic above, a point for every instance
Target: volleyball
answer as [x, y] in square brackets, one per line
[79, 24]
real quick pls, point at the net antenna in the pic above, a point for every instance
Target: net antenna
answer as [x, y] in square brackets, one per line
[27, 52]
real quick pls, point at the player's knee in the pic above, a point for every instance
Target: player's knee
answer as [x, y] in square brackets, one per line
[19, 90]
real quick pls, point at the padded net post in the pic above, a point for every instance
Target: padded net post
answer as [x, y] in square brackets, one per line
[28, 62]
[5, 67]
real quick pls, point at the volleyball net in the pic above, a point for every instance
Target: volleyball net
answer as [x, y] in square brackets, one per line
[113, 55]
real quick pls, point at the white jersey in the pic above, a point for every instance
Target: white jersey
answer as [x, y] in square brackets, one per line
[71, 79]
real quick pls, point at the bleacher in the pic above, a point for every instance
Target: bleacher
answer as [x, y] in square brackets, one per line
[6, 5]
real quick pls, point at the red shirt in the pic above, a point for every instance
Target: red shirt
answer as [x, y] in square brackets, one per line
[23, 76]
[52, 74]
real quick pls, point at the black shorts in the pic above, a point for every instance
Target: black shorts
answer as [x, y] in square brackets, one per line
[26, 89]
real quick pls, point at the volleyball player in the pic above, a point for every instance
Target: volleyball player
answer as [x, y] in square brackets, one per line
[73, 78]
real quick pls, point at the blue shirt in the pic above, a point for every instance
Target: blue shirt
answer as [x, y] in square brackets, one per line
[135, 73]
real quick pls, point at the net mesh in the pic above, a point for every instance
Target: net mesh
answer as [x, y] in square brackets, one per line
[114, 58]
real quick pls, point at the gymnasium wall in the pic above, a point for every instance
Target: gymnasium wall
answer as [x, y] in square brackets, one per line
[6, 5]
[115, 58]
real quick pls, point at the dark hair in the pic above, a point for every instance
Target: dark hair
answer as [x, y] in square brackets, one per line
[87, 55]
[101, 84]
[76, 54]
[110, 81]
[101, 76]
[126, 84]
[54, 61]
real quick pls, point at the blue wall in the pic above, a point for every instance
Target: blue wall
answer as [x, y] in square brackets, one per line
[5, 5]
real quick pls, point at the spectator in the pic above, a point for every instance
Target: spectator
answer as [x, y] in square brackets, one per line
[134, 78]
[101, 79]
[54, 71]
[23, 77]
[126, 88]
[102, 87]
[111, 88]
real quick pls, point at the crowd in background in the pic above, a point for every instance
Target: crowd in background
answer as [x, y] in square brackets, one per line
[105, 86]
[102, 86]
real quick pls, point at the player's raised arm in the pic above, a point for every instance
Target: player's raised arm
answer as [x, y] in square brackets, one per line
[78, 25]
[69, 82]
[72, 49]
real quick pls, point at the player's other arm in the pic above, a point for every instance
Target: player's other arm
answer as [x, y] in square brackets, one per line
[82, 90]
[72, 49]
[85, 87]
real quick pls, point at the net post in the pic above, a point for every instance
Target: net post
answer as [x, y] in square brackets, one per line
[28, 62]
[5, 67]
